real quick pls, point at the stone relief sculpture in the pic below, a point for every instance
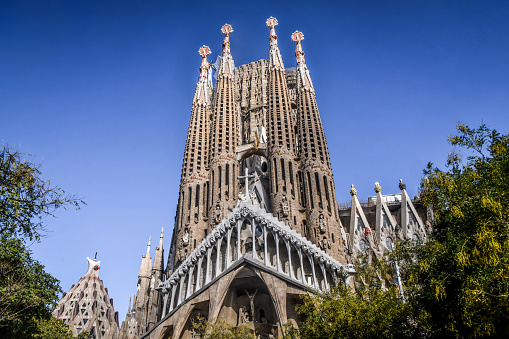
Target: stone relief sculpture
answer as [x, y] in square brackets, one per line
[285, 207]
[217, 214]
[185, 237]
[322, 224]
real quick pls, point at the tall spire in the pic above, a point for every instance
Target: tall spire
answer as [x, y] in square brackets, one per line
[275, 60]
[148, 247]
[202, 93]
[303, 77]
[226, 68]
[146, 263]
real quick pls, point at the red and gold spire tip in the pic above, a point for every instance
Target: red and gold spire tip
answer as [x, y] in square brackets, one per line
[297, 37]
[204, 51]
[226, 29]
[271, 22]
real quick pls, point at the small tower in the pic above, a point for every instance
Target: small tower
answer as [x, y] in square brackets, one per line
[155, 303]
[143, 291]
[87, 306]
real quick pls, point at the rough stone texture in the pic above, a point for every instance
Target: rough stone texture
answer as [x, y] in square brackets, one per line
[87, 306]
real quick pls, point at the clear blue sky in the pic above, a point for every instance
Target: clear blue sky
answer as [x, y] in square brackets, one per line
[100, 92]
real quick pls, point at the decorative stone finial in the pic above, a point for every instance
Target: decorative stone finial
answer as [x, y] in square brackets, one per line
[297, 37]
[378, 188]
[353, 191]
[275, 60]
[226, 30]
[204, 51]
[402, 185]
[271, 22]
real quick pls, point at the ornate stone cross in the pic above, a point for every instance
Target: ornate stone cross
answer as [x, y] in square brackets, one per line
[246, 176]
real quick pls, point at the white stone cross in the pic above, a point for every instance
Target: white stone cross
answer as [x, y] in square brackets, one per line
[246, 176]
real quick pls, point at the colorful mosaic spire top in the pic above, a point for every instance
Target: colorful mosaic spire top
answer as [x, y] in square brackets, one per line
[204, 51]
[297, 37]
[226, 30]
[271, 23]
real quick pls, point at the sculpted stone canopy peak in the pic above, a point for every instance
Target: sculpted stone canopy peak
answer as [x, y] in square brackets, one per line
[248, 210]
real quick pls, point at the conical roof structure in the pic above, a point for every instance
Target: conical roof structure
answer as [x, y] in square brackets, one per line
[87, 306]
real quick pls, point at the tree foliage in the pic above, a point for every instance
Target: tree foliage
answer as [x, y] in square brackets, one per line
[27, 292]
[457, 284]
[220, 330]
[459, 281]
[25, 198]
[370, 311]
[53, 328]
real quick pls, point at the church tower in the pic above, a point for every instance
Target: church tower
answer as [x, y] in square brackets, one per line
[323, 224]
[223, 141]
[191, 221]
[87, 306]
[281, 148]
[258, 223]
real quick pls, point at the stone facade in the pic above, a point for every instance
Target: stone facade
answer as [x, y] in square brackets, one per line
[87, 306]
[147, 305]
[257, 222]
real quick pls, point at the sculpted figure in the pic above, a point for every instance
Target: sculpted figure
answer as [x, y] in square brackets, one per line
[217, 214]
[185, 237]
[285, 207]
[322, 224]
[251, 303]
[242, 197]
[254, 198]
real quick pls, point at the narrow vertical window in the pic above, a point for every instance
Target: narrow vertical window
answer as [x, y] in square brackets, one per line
[197, 199]
[292, 188]
[310, 188]
[275, 176]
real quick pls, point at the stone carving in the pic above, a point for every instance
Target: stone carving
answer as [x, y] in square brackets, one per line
[378, 188]
[217, 214]
[185, 237]
[353, 191]
[251, 304]
[285, 207]
[246, 128]
[322, 224]
[243, 315]
[242, 197]
[254, 198]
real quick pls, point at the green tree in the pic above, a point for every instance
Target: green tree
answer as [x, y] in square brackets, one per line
[53, 328]
[27, 292]
[25, 198]
[220, 330]
[368, 312]
[458, 282]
